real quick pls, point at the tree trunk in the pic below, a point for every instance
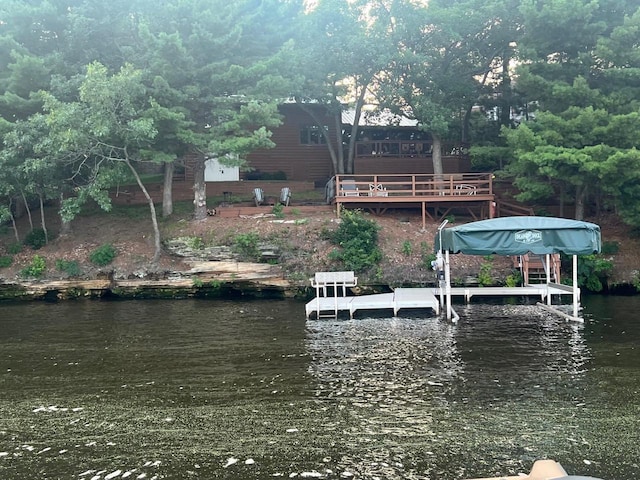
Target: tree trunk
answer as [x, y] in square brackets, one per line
[561, 202]
[13, 221]
[65, 227]
[580, 196]
[26, 206]
[154, 217]
[167, 192]
[336, 156]
[349, 166]
[199, 189]
[42, 221]
[437, 160]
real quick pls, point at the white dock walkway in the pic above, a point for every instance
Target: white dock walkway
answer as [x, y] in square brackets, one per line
[401, 298]
[535, 290]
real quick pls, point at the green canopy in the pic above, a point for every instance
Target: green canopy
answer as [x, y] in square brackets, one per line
[520, 235]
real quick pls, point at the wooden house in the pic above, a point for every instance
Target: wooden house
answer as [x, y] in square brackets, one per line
[385, 144]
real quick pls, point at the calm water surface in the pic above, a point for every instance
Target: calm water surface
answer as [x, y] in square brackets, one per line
[216, 389]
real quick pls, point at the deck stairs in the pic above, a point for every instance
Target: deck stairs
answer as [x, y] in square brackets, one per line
[534, 268]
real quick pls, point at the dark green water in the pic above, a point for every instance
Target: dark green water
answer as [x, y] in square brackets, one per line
[217, 389]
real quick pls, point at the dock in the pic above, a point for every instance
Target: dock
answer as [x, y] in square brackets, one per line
[331, 296]
[399, 299]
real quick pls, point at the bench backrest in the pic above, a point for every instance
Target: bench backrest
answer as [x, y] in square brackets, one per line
[335, 277]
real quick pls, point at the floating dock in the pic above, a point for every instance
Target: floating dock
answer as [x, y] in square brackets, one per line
[399, 299]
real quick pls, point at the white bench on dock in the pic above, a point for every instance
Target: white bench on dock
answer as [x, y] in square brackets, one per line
[335, 283]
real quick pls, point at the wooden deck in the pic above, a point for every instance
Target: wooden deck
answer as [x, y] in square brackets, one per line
[436, 195]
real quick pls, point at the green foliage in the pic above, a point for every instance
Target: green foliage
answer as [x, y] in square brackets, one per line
[14, 248]
[36, 239]
[635, 281]
[6, 261]
[36, 268]
[278, 210]
[514, 279]
[407, 248]
[427, 255]
[357, 237]
[246, 244]
[70, 267]
[197, 283]
[195, 243]
[593, 272]
[103, 255]
[484, 275]
[610, 248]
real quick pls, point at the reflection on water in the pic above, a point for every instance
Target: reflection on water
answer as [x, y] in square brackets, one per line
[216, 389]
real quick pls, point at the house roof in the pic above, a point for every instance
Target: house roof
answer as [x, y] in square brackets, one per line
[520, 235]
[377, 118]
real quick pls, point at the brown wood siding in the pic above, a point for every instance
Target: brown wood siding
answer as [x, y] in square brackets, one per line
[393, 165]
[299, 162]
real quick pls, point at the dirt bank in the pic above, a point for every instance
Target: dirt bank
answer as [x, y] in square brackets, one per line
[298, 244]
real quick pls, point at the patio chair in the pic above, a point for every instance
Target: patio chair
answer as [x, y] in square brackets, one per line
[285, 196]
[348, 188]
[377, 190]
[465, 189]
[258, 196]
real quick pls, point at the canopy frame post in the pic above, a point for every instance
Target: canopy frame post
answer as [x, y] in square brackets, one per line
[576, 290]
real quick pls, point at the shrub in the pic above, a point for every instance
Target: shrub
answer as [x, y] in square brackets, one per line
[358, 238]
[14, 248]
[593, 272]
[427, 255]
[484, 276]
[407, 248]
[514, 279]
[6, 261]
[610, 248]
[278, 210]
[103, 255]
[246, 244]
[36, 268]
[195, 243]
[70, 267]
[36, 239]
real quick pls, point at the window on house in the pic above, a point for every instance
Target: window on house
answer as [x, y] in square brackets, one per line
[311, 135]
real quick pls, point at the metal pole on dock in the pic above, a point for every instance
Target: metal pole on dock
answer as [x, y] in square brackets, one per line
[575, 286]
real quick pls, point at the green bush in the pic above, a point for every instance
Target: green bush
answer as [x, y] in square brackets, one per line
[278, 210]
[195, 243]
[593, 272]
[514, 279]
[610, 248]
[246, 244]
[427, 255]
[70, 267]
[484, 276]
[103, 255]
[36, 268]
[407, 248]
[14, 248]
[358, 238]
[36, 239]
[6, 261]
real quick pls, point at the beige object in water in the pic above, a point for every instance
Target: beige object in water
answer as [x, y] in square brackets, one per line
[541, 470]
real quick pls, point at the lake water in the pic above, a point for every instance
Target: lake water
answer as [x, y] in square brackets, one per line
[250, 390]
